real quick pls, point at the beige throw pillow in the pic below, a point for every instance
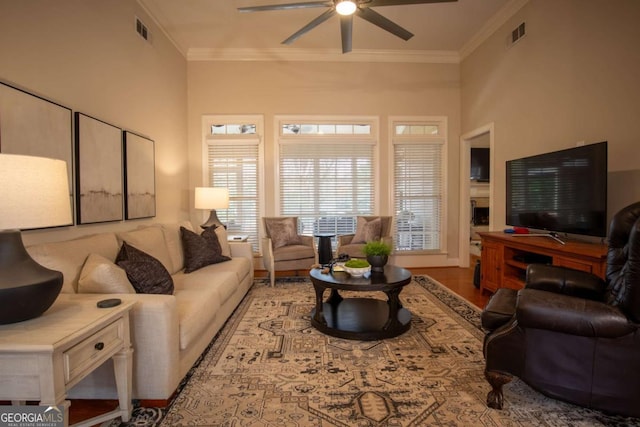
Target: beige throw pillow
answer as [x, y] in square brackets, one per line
[367, 231]
[223, 239]
[282, 231]
[101, 276]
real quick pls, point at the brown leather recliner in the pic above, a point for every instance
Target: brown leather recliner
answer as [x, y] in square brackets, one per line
[571, 335]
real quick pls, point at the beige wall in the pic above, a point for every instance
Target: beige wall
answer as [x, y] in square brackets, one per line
[572, 78]
[85, 55]
[332, 88]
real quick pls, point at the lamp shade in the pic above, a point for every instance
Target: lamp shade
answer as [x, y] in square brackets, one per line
[211, 198]
[34, 192]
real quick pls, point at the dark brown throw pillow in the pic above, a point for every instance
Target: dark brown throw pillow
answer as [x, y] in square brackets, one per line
[146, 274]
[201, 250]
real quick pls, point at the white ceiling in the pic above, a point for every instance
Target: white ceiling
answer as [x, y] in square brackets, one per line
[197, 25]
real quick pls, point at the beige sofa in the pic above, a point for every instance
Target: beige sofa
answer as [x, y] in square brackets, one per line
[168, 332]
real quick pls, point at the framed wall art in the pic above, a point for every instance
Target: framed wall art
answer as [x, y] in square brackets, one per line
[34, 126]
[99, 181]
[140, 178]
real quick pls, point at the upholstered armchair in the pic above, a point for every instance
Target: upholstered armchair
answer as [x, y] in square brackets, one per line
[368, 228]
[283, 249]
[569, 334]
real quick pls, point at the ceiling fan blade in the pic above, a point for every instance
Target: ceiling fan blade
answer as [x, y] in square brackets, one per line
[375, 3]
[310, 26]
[376, 19]
[346, 32]
[304, 5]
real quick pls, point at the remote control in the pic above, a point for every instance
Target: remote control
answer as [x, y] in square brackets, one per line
[111, 302]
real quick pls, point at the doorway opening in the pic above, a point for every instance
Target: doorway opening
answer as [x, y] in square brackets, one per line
[476, 190]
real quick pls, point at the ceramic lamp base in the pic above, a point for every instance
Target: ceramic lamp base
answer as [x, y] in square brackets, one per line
[27, 289]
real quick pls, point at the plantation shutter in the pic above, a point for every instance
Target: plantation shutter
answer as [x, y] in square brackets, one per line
[418, 194]
[327, 184]
[233, 164]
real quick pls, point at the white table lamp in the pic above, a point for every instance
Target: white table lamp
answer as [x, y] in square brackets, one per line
[212, 198]
[34, 193]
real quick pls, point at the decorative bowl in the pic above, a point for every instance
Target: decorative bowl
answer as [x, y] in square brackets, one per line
[357, 272]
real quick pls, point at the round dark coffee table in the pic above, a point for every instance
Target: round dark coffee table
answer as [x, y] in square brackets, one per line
[361, 318]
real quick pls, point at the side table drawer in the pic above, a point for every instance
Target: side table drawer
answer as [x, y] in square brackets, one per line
[92, 351]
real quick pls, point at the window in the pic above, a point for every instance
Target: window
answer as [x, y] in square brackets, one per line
[233, 160]
[327, 172]
[418, 183]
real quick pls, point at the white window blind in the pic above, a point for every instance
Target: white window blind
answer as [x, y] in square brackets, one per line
[234, 164]
[418, 194]
[327, 183]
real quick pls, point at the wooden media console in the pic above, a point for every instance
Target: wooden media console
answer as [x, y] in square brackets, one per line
[505, 257]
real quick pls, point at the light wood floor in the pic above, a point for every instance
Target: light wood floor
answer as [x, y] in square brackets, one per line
[459, 280]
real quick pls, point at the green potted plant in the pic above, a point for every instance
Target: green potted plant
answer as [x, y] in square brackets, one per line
[377, 253]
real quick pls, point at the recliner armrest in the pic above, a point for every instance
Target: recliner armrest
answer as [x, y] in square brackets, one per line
[563, 280]
[570, 315]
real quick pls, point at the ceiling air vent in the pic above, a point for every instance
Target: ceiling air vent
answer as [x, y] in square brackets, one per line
[517, 33]
[142, 30]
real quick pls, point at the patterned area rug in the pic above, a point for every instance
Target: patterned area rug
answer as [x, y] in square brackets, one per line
[269, 367]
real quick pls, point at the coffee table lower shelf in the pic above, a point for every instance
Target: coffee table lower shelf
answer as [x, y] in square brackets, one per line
[364, 319]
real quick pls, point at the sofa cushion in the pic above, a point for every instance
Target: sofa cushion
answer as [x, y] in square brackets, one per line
[294, 252]
[201, 250]
[367, 231]
[239, 266]
[223, 283]
[69, 256]
[223, 239]
[174, 243]
[149, 239]
[101, 276]
[197, 307]
[146, 274]
[282, 232]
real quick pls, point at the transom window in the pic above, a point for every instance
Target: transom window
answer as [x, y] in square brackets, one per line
[326, 129]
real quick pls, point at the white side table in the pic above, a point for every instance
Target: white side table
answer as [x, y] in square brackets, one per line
[42, 358]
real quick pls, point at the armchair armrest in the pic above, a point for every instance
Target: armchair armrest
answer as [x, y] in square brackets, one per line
[388, 240]
[267, 254]
[307, 241]
[345, 239]
[570, 315]
[563, 280]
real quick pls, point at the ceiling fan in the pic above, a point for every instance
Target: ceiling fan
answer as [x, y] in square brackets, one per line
[346, 9]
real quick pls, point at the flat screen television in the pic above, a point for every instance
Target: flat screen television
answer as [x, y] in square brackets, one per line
[563, 191]
[480, 164]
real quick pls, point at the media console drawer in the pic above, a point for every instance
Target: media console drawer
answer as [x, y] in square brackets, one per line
[505, 258]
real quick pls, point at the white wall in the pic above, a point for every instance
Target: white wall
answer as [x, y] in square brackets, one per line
[329, 88]
[572, 78]
[85, 55]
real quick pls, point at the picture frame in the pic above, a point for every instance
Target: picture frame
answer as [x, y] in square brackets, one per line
[35, 126]
[99, 178]
[140, 190]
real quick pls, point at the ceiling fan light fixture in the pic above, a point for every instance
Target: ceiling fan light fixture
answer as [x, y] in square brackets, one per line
[346, 7]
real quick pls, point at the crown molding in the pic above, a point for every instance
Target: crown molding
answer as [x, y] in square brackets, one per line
[323, 55]
[491, 26]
